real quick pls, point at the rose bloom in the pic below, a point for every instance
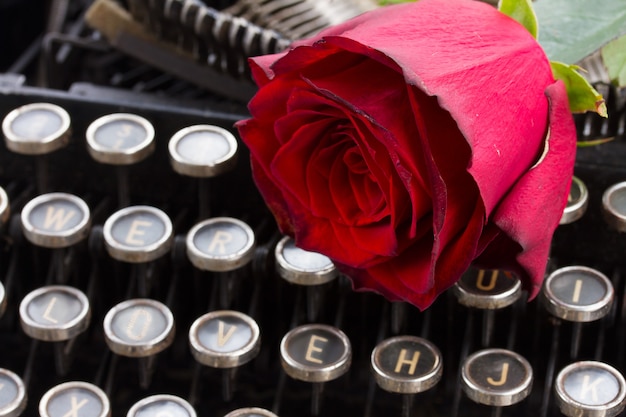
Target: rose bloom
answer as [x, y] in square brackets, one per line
[412, 142]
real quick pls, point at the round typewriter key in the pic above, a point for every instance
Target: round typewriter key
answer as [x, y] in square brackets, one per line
[302, 267]
[12, 394]
[406, 364]
[220, 244]
[36, 129]
[577, 202]
[203, 151]
[224, 339]
[590, 389]
[55, 220]
[315, 353]
[75, 399]
[120, 139]
[138, 234]
[251, 412]
[139, 328]
[162, 405]
[5, 210]
[578, 294]
[488, 289]
[614, 206]
[55, 313]
[496, 377]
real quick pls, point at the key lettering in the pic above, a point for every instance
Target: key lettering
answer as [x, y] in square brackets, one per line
[492, 282]
[143, 330]
[75, 407]
[1, 386]
[312, 348]
[578, 286]
[503, 376]
[219, 241]
[57, 218]
[135, 231]
[164, 414]
[221, 337]
[590, 388]
[402, 360]
[46, 314]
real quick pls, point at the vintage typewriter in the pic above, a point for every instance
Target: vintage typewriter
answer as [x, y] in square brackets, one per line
[141, 274]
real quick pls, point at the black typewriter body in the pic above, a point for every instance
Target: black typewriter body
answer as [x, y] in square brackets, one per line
[49, 54]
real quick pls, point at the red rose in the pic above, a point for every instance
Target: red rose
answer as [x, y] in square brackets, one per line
[414, 140]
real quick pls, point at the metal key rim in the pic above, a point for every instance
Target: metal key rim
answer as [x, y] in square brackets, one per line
[17, 406]
[132, 412]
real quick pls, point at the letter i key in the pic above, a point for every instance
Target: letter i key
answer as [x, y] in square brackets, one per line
[406, 365]
[203, 152]
[315, 353]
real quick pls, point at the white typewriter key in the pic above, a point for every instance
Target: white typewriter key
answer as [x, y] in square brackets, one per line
[36, 129]
[496, 377]
[75, 398]
[224, 339]
[139, 328]
[162, 405]
[220, 244]
[12, 394]
[203, 151]
[251, 412]
[315, 353]
[577, 202]
[5, 210]
[302, 267]
[578, 294]
[120, 139]
[55, 313]
[55, 220]
[138, 234]
[614, 206]
[590, 389]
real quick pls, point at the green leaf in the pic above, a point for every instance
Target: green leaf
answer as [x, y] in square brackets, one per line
[573, 29]
[522, 11]
[582, 96]
[614, 57]
[595, 142]
[386, 2]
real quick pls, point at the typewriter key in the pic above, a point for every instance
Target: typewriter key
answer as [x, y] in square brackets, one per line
[36, 129]
[5, 210]
[315, 353]
[120, 139]
[302, 267]
[225, 339]
[162, 405]
[406, 365]
[203, 151]
[139, 328]
[577, 202]
[251, 412]
[138, 234]
[614, 206]
[55, 220]
[55, 313]
[496, 377]
[487, 290]
[75, 399]
[590, 389]
[12, 394]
